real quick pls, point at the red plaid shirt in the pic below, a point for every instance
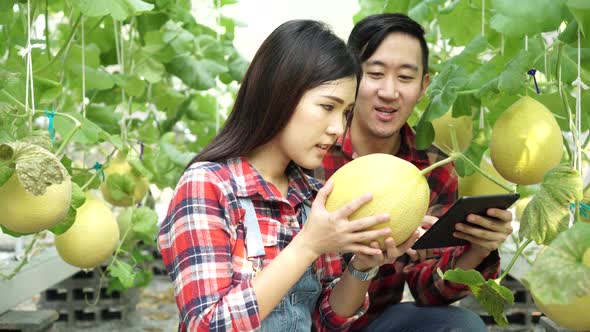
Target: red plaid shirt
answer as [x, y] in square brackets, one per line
[425, 284]
[202, 245]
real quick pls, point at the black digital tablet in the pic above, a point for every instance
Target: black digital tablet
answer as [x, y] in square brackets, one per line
[440, 235]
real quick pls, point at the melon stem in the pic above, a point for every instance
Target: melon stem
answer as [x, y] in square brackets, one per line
[439, 163]
[517, 254]
[487, 175]
[25, 259]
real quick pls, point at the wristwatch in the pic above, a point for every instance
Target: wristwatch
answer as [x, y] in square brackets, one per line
[362, 275]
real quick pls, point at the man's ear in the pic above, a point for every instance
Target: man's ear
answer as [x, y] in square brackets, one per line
[425, 83]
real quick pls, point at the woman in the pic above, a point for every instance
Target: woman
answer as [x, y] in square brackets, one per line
[244, 246]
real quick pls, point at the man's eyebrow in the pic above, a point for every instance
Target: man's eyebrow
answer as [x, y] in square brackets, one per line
[375, 63]
[382, 64]
[334, 98]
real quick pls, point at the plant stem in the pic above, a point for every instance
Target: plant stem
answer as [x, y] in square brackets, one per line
[47, 44]
[447, 160]
[64, 47]
[519, 251]
[467, 92]
[486, 175]
[25, 259]
[83, 188]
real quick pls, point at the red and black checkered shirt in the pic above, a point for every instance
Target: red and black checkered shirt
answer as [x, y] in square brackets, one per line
[425, 284]
[202, 245]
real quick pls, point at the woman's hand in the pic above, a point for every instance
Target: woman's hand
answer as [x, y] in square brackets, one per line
[493, 230]
[363, 262]
[333, 232]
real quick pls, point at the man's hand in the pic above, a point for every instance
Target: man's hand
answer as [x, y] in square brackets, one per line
[421, 255]
[493, 231]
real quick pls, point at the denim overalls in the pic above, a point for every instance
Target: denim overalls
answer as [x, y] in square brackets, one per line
[294, 312]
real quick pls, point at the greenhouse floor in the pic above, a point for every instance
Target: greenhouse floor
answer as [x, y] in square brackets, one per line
[156, 312]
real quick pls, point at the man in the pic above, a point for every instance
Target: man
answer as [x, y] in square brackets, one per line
[394, 57]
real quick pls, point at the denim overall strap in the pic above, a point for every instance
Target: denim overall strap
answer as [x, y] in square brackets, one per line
[254, 244]
[294, 312]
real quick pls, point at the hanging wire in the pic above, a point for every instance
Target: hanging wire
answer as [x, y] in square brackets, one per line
[481, 117]
[483, 17]
[83, 68]
[579, 85]
[218, 22]
[29, 84]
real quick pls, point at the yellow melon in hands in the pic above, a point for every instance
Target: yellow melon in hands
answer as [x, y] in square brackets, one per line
[526, 142]
[397, 186]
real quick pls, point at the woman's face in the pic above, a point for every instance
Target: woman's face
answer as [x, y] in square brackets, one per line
[317, 122]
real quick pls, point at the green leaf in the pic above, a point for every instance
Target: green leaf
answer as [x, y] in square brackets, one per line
[118, 9]
[512, 80]
[237, 66]
[198, 74]
[443, 91]
[120, 186]
[139, 168]
[475, 151]
[460, 21]
[581, 11]
[492, 296]
[167, 99]
[105, 117]
[132, 85]
[36, 168]
[149, 68]
[6, 172]
[6, 13]
[95, 78]
[12, 233]
[527, 17]
[424, 11]
[91, 57]
[145, 224]
[202, 108]
[78, 196]
[554, 103]
[124, 222]
[424, 134]
[89, 133]
[465, 277]
[123, 272]
[545, 216]
[50, 95]
[370, 7]
[558, 274]
[180, 159]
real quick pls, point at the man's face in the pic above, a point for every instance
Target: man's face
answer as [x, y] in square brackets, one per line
[392, 84]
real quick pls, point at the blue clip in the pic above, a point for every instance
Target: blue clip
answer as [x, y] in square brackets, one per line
[584, 209]
[98, 167]
[51, 127]
[532, 72]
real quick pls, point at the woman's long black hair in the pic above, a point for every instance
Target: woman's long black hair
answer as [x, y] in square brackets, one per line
[296, 57]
